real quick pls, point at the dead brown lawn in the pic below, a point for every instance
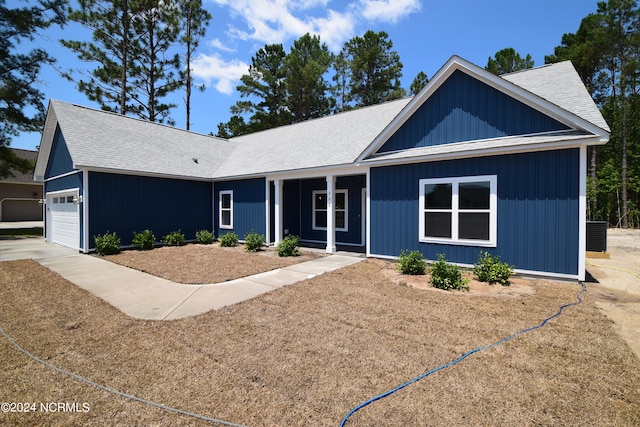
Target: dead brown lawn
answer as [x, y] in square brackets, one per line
[201, 264]
[306, 354]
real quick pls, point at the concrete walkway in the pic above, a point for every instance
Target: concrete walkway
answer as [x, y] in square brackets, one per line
[144, 296]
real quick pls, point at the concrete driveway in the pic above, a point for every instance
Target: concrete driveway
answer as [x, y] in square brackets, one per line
[144, 296]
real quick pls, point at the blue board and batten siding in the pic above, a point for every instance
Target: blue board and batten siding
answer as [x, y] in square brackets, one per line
[128, 203]
[59, 161]
[60, 165]
[537, 212]
[465, 109]
[249, 206]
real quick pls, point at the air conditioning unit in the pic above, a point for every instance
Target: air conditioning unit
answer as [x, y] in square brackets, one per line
[597, 236]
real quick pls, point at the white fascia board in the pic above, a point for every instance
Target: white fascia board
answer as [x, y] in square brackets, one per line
[141, 173]
[471, 153]
[350, 169]
[456, 63]
[46, 142]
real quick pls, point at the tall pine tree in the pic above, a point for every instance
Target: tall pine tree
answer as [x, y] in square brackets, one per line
[19, 70]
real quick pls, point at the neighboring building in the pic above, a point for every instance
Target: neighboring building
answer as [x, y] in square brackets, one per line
[473, 162]
[20, 195]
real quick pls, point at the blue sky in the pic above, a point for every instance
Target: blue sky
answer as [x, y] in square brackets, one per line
[425, 33]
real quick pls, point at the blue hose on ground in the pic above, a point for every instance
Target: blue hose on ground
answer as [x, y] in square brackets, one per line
[464, 356]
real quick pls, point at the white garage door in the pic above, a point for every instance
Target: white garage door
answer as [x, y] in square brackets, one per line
[63, 219]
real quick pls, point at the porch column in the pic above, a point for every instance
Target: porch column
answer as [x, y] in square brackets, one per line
[278, 210]
[331, 215]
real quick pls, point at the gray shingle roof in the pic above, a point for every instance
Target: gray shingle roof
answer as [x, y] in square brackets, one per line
[332, 140]
[560, 84]
[20, 177]
[128, 144]
[103, 140]
[106, 141]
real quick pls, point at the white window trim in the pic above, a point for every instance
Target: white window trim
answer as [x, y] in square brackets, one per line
[454, 240]
[220, 210]
[345, 210]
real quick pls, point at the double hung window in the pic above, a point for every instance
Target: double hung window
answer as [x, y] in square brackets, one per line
[320, 210]
[460, 210]
[226, 209]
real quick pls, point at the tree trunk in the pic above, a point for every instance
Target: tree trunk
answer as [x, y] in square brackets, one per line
[594, 185]
[125, 48]
[623, 174]
[188, 76]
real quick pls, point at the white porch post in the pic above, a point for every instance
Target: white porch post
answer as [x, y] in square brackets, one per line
[278, 210]
[582, 216]
[331, 215]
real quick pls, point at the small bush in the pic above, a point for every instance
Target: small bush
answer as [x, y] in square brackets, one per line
[144, 241]
[411, 263]
[204, 237]
[253, 242]
[228, 240]
[107, 244]
[447, 276]
[489, 269]
[288, 246]
[175, 238]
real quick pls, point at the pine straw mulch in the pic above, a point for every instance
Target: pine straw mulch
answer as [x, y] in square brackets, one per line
[202, 264]
[308, 353]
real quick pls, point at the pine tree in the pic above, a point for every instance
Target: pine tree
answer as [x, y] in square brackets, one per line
[195, 20]
[306, 64]
[19, 72]
[508, 61]
[374, 69]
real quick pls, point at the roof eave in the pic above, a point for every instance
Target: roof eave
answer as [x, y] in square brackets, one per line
[483, 152]
[46, 142]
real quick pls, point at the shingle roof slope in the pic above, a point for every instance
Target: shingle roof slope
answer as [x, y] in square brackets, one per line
[560, 84]
[20, 177]
[332, 140]
[130, 144]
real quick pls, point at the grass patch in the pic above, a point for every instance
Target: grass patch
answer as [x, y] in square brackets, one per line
[21, 232]
[308, 353]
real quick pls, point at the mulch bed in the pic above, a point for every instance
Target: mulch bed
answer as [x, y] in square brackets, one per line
[202, 264]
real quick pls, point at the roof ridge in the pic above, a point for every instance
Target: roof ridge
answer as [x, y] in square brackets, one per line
[328, 116]
[526, 70]
[137, 119]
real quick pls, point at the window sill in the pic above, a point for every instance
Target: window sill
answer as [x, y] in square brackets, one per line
[478, 243]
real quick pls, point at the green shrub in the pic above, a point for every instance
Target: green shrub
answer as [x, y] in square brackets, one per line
[253, 242]
[107, 244]
[228, 240]
[144, 241]
[411, 263]
[288, 246]
[204, 237]
[489, 269]
[175, 238]
[447, 276]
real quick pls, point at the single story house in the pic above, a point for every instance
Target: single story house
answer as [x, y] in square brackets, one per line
[474, 162]
[20, 195]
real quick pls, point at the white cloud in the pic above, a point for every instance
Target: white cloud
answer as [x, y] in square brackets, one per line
[277, 21]
[281, 21]
[335, 29]
[388, 10]
[218, 44]
[224, 74]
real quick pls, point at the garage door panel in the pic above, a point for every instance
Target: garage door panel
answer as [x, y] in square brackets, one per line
[64, 220]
